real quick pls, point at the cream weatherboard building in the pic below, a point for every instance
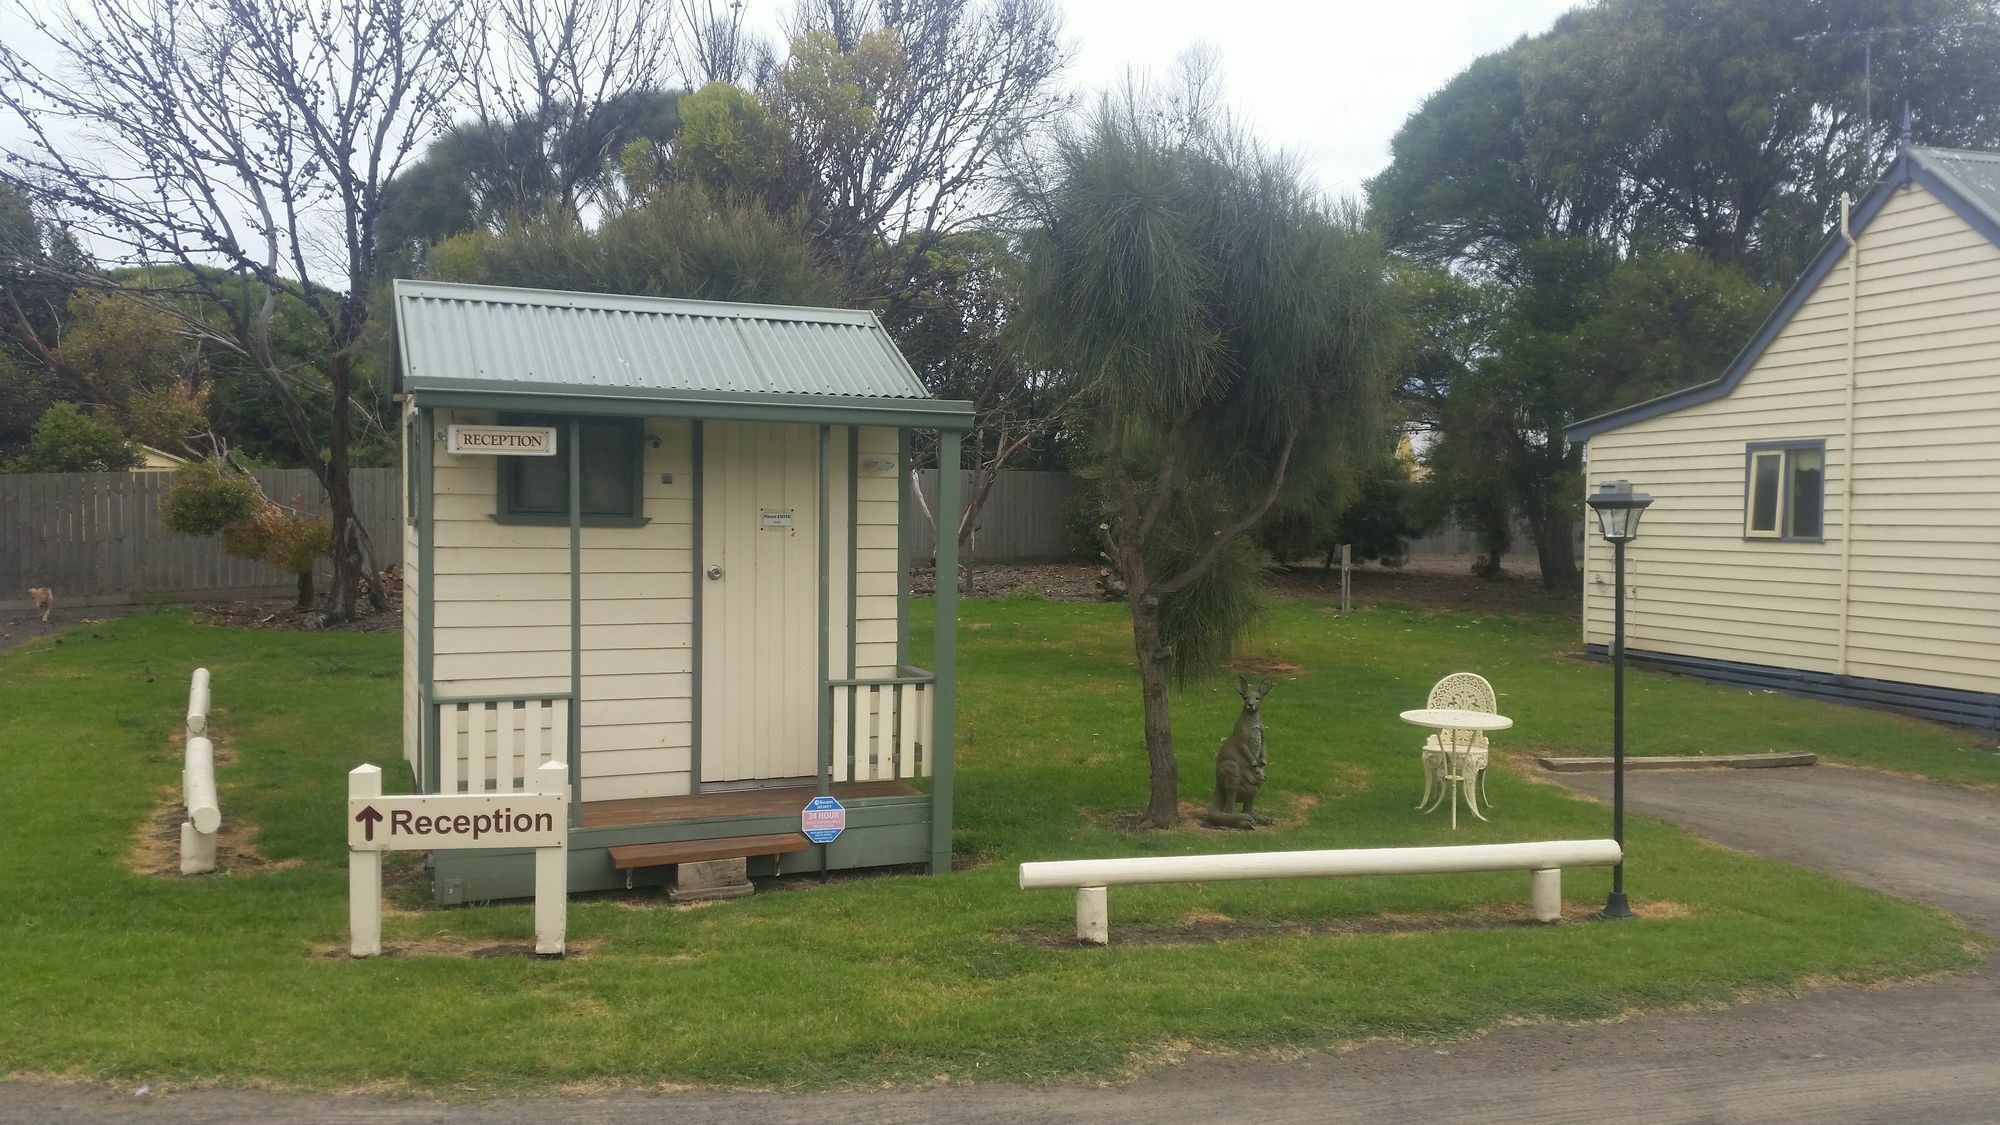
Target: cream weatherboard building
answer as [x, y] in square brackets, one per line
[663, 541]
[1826, 515]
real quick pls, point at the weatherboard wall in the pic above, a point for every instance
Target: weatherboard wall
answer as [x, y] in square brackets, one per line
[1922, 591]
[502, 602]
[502, 597]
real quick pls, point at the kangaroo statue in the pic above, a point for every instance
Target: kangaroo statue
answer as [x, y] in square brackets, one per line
[1239, 764]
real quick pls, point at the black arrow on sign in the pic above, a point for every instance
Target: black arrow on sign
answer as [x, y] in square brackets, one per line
[368, 818]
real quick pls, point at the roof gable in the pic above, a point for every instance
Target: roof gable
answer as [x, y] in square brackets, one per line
[495, 339]
[1966, 182]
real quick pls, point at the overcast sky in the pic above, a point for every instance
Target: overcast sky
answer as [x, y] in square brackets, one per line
[1329, 80]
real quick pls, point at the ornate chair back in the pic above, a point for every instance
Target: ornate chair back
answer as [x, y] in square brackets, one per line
[1464, 691]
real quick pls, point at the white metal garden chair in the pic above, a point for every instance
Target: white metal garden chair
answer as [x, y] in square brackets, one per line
[1460, 691]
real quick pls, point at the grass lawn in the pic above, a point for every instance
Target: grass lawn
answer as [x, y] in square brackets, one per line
[904, 978]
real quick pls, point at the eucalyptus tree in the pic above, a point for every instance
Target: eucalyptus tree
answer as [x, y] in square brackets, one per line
[1228, 330]
[1721, 132]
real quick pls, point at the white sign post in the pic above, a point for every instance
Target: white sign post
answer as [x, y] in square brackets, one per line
[377, 824]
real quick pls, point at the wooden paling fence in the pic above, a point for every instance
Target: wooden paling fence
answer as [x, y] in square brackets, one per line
[1021, 522]
[96, 539]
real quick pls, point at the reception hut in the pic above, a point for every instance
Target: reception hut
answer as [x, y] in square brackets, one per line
[666, 542]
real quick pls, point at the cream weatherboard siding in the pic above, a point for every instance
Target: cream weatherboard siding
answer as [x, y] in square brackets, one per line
[502, 612]
[502, 605]
[1923, 591]
[875, 580]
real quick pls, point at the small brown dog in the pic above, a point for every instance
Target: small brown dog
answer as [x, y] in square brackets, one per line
[45, 600]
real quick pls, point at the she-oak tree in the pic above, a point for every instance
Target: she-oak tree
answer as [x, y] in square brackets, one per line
[1230, 332]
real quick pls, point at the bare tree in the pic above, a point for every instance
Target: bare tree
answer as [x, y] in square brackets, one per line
[568, 78]
[959, 329]
[242, 140]
[900, 112]
[712, 43]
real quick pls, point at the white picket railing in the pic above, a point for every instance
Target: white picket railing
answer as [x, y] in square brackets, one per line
[881, 727]
[496, 742]
[204, 810]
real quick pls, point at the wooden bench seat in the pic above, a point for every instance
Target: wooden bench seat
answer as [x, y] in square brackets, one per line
[632, 856]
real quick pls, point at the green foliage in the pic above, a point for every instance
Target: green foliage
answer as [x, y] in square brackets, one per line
[289, 541]
[678, 242]
[206, 501]
[483, 175]
[1726, 127]
[66, 440]
[1227, 326]
[1605, 204]
[27, 390]
[732, 145]
[1379, 522]
[1205, 621]
[124, 346]
[1368, 510]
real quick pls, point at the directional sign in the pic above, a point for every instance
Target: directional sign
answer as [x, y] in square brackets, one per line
[377, 824]
[471, 820]
[822, 820]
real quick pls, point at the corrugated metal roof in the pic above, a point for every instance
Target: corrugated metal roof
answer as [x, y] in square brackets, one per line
[1976, 175]
[600, 343]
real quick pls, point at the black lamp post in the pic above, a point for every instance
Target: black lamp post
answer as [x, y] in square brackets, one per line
[1618, 510]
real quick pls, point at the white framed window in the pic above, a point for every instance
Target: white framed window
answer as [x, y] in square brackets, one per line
[1784, 491]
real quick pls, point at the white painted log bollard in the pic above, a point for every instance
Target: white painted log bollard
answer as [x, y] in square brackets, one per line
[1543, 859]
[537, 819]
[204, 812]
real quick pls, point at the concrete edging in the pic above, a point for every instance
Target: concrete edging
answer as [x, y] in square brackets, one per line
[1691, 762]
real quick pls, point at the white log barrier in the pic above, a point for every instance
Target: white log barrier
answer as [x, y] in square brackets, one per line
[204, 811]
[1545, 859]
[537, 819]
[197, 712]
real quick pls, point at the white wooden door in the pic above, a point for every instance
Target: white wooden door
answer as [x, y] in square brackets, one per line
[759, 601]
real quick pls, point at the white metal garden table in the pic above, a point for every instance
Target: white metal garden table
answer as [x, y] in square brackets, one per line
[1448, 722]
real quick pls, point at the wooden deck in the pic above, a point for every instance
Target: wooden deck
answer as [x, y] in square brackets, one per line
[740, 802]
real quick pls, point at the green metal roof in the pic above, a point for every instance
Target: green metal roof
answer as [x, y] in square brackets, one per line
[484, 339]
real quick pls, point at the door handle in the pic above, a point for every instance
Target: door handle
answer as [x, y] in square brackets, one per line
[714, 572]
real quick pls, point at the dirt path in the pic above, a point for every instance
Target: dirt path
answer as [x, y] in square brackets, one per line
[1921, 1052]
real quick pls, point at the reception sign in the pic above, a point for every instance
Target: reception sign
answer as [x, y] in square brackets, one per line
[505, 441]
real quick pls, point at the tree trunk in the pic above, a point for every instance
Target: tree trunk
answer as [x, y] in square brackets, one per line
[345, 590]
[1163, 805]
[349, 550]
[1553, 548]
[305, 589]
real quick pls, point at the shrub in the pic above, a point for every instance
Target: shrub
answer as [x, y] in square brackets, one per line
[66, 440]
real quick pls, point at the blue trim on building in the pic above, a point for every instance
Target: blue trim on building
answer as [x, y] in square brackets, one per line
[1909, 167]
[1976, 709]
